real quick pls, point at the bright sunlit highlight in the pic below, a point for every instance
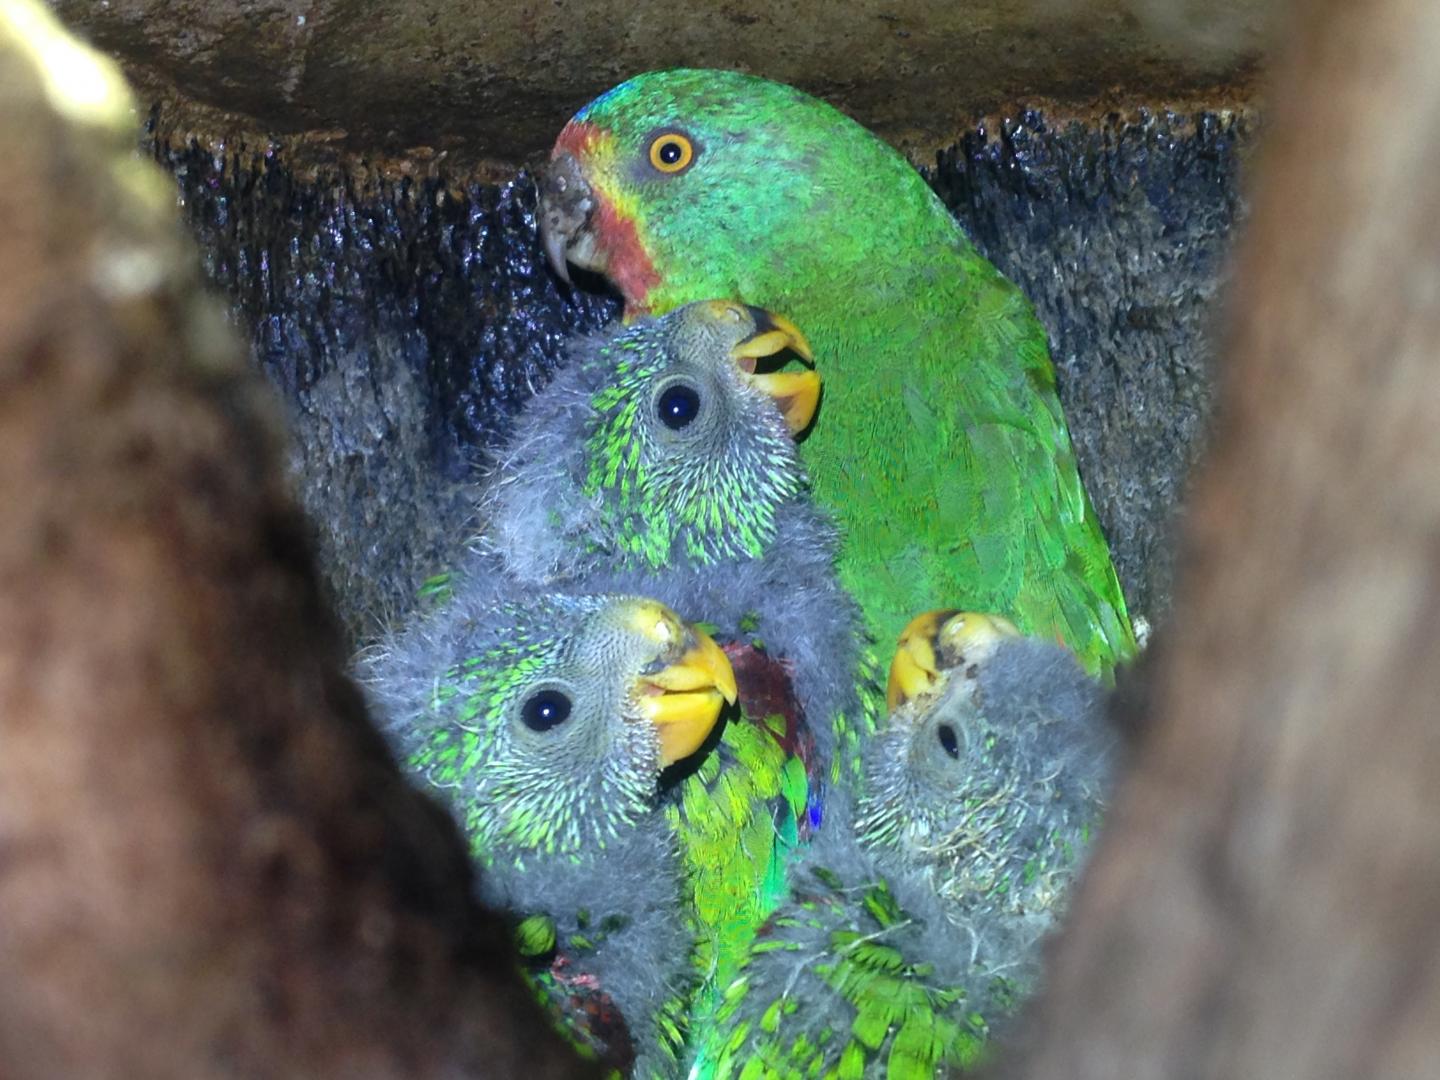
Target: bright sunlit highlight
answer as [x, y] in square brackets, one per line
[80, 83]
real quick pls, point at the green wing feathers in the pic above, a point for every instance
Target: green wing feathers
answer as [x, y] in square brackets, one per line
[943, 450]
[738, 821]
[880, 1012]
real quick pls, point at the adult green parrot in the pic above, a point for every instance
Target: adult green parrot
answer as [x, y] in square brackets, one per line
[941, 447]
[916, 921]
[545, 721]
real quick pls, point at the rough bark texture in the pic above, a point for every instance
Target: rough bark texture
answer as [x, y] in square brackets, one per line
[1266, 898]
[406, 319]
[209, 865]
[491, 80]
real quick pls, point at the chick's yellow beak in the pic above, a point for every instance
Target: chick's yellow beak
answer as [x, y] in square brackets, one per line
[796, 393]
[772, 333]
[941, 639]
[914, 670]
[683, 699]
[971, 636]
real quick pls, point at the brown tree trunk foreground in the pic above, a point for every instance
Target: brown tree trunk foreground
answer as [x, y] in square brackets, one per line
[208, 864]
[1266, 899]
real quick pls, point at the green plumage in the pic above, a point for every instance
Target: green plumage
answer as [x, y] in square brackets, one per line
[940, 444]
[898, 1019]
[738, 822]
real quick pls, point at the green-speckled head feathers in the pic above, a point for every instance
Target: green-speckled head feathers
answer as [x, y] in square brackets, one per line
[687, 448]
[551, 725]
[660, 445]
[991, 768]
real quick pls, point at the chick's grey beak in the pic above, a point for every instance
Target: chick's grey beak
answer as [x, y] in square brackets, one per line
[565, 206]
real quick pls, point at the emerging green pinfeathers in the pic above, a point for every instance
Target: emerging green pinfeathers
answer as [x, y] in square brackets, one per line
[916, 920]
[544, 722]
[941, 447]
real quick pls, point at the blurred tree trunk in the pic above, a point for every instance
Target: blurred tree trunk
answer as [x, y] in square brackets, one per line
[209, 865]
[1266, 899]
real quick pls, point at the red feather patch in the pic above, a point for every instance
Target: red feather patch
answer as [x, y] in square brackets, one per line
[597, 1014]
[628, 264]
[766, 690]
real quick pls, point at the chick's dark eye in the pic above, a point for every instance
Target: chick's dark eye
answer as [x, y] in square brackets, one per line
[678, 406]
[545, 710]
[948, 742]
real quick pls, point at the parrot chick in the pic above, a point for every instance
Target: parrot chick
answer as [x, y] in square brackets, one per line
[676, 449]
[916, 929]
[544, 723]
[990, 772]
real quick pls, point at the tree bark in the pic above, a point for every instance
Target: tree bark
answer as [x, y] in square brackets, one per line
[209, 864]
[1265, 900]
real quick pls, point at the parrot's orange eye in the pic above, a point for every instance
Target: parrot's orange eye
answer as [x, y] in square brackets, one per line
[671, 152]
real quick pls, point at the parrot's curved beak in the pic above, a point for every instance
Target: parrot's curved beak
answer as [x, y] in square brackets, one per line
[938, 640]
[683, 699]
[772, 333]
[797, 393]
[566, 204]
